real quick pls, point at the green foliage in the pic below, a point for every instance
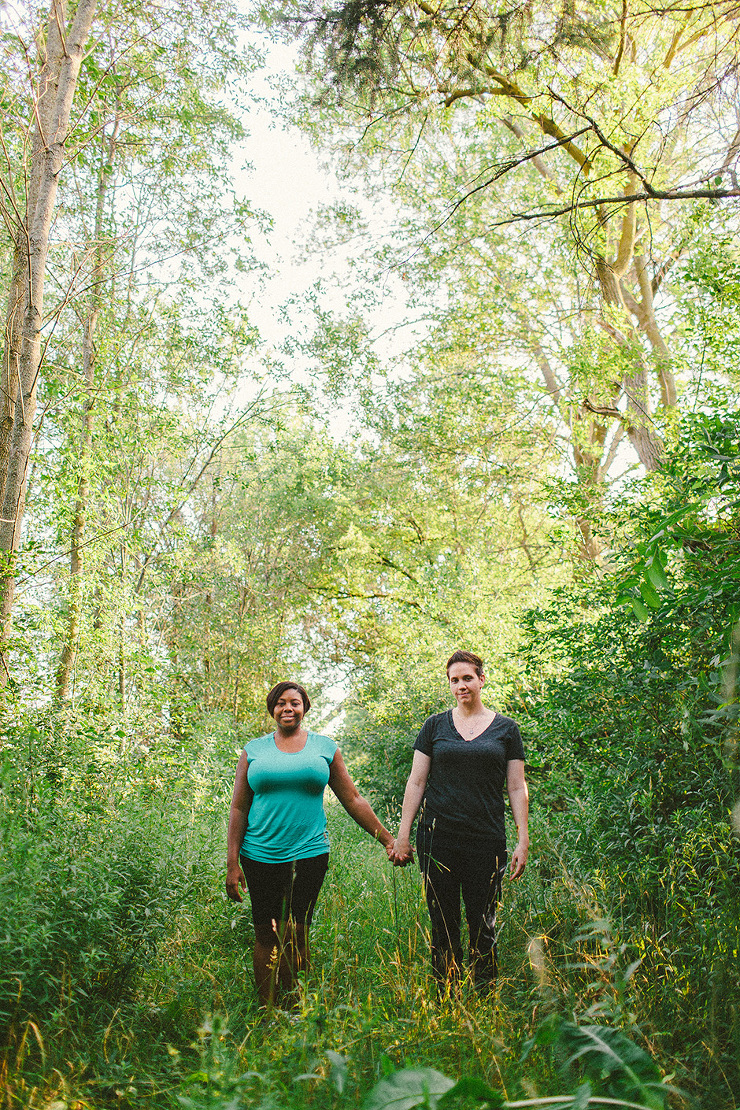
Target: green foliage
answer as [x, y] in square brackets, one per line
[609, 1063]
[409, 1088]
[632, 726]
[95, 869]
[368, 1025]
[231, 540]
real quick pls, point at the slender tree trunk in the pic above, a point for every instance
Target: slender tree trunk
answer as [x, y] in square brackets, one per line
[89, 326]
[638, 422]
[649, 324]
[22, 353]
[235, 705]
[178, 726]
[122, 664]
[76, 566]
[640, 428]
[588, 437]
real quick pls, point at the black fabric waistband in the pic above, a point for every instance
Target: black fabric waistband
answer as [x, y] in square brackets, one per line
[431, 824]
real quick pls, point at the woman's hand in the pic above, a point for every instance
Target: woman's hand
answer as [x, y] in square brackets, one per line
[234, 880]
[400, 853]
[516, 787]
[519, 860]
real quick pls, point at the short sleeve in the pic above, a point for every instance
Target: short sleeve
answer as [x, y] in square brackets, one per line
[424, 741]
[254, 748]
[325, 747]
[514, 745]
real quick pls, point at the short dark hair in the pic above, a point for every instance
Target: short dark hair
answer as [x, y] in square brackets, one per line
[466, 657]
[279, 690]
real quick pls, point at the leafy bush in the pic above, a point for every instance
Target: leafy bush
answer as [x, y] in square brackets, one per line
[100, 855]
[631, 711]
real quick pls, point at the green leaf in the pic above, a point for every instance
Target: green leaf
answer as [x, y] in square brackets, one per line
[338, 1069]
[471, 1087]
[581, 1097]
[657, 575]
[614, 1064]
[408, 1088]
[640, 611]
[668, 521]
[649, 595]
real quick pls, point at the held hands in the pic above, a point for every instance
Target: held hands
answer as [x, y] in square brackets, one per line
[400, 852]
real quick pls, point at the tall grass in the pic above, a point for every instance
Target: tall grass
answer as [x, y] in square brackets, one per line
[126, 976]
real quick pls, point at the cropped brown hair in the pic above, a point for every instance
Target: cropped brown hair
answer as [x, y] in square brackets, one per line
[279, 690]
[466, 657]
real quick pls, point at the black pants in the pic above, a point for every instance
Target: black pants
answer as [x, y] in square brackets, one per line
[452, 865]
[279, 891]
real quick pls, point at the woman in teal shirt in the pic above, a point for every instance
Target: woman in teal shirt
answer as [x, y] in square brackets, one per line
[277, 841]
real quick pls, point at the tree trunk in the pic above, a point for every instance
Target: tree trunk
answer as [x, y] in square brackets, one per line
[89, 326]
[588, 438]
[122, 664]
[76, 566]
[22, 351]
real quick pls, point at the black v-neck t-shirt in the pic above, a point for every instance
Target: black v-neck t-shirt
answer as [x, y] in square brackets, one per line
[465, 787]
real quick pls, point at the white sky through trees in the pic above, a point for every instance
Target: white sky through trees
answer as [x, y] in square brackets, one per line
[280, 173]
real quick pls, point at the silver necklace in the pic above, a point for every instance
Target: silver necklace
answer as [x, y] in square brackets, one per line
[472, 728]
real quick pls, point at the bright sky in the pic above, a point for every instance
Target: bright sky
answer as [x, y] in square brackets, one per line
[288, 181]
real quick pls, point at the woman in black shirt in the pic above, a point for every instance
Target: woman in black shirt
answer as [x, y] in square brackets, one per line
[463, 758]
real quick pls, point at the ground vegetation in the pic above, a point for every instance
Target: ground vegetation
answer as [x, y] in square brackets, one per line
[541, 463]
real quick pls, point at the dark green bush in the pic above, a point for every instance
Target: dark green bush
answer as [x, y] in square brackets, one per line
[100, 856]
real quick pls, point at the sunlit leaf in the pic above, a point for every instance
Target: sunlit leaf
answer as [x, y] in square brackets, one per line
[649, 595]
[408, 1088]
[657, 575]
[641, 612]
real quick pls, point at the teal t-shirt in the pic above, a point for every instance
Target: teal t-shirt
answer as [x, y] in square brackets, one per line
[286, 817]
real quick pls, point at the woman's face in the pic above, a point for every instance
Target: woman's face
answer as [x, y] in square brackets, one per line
[465, 684]
[288, 711]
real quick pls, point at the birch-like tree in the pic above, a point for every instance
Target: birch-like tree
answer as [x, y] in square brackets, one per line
[149, 205]
[29, 192]
[146, 202]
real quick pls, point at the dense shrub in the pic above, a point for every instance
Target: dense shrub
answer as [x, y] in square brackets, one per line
[626, 694]
[630, 707]
[101, 853]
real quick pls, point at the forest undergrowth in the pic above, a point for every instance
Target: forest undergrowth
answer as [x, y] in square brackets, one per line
[126, 978]
[537, 457]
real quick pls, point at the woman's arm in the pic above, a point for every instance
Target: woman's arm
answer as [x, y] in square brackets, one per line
[516, 788]
[357, 807]
[238, 820]
[412, 796]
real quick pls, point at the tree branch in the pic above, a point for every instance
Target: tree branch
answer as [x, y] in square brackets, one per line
[503, 169]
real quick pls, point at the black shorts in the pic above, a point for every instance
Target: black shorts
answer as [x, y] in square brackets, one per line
[282, 890]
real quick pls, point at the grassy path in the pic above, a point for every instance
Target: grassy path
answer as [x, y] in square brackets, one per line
[189, 1033]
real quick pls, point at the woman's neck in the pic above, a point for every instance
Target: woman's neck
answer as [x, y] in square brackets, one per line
[295, 735]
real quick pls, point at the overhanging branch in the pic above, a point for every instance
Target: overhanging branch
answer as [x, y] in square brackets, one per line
[652, 194]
